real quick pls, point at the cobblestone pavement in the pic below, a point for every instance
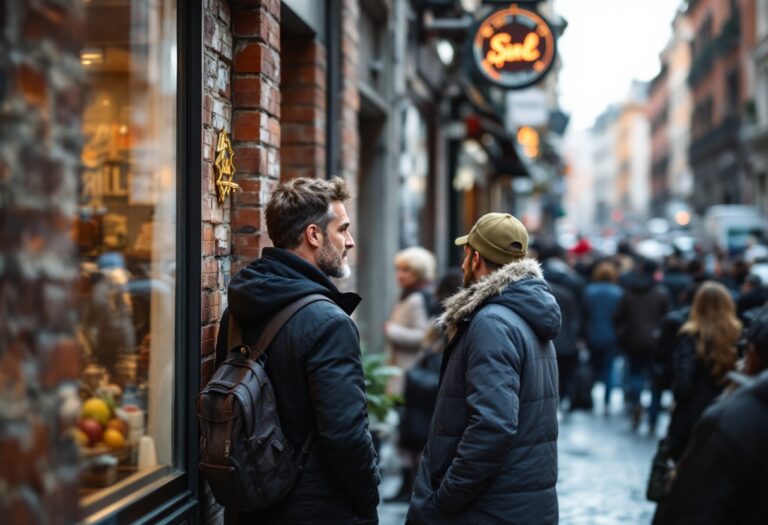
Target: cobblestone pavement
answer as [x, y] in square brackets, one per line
[603, 470]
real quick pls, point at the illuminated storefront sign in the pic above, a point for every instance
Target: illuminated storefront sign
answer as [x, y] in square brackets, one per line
[514, 47]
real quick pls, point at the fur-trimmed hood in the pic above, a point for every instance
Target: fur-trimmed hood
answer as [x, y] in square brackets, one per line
[519, 286]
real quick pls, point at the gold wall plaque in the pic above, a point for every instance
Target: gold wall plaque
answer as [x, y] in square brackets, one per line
[224, 167]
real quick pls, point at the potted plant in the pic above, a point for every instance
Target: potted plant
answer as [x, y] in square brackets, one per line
[380, 403]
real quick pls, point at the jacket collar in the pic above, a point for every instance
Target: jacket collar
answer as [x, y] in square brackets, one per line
[347, 301]
[466, 302]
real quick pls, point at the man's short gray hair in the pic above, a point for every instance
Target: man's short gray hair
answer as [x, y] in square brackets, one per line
[296, 204]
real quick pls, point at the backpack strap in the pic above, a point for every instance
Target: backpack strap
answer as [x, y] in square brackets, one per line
[235, 330]
[235, 340]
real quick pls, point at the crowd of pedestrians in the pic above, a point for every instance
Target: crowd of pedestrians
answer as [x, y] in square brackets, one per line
[490, 355]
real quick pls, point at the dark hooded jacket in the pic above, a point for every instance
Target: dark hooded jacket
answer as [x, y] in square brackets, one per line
[491, 456]
[639, 315]
[722, 478]
[316, 372]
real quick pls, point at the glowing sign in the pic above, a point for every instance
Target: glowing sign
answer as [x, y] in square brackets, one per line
[528, 138]
[514, 47]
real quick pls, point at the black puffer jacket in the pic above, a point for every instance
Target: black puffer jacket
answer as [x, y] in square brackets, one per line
[695, 389]
[722, 478]
[316, 372]
[639, 314]
[491, 456]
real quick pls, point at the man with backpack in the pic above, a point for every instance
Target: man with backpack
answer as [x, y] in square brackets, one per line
[313, 363]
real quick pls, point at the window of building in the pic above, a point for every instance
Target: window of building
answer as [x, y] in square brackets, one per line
[125, 233]
[414, 172]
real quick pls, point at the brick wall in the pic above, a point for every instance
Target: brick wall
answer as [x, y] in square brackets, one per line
[256, 124]
[303, 89]
[216, 116]
[40, 107]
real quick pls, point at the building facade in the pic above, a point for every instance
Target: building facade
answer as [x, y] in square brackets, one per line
[669, 112]
[677, 59]
[633, 155]
[757, 134]
[606, 168]
[719, 84]
[658, 116]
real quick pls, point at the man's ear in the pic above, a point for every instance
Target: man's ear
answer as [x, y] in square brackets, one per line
[313, 235]
[476, 261]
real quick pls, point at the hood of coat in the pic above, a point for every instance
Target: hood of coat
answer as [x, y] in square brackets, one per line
[275, 280]
[639, 282]
[519, 286]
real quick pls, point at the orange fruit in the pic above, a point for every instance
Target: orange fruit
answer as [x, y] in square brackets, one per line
[119, 425]
[113, 438]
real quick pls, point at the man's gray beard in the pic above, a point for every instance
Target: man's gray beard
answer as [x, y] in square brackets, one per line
[330, 267]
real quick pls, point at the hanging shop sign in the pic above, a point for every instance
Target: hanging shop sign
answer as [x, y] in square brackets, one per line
[224, 167]
[514, 47]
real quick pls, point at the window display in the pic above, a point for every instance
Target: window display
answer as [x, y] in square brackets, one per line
[125, 233]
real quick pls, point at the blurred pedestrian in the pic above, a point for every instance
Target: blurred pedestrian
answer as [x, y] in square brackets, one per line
[566, 286]
[754, 294]
[722, 478]
[421, 384]
[491, 455]
[409, 319]
[601, 300]
[676, 279]
[637, 326]
[703, 355]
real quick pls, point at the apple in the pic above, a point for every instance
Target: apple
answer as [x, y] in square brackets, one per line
[92, 429]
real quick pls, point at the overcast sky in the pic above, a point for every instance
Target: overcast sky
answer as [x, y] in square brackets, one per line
[606, 45]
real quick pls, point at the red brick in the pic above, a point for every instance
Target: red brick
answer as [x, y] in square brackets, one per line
[250, 159]
[247, 22]
[304, 114]
[250, 219]
[207, 232]
[247, 92]
[246, 125]
[207, 365]
[249, 58]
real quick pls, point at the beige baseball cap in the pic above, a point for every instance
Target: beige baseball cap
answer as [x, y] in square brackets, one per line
[498, 237]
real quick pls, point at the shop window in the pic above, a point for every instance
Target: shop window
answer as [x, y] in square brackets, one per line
[125, 233]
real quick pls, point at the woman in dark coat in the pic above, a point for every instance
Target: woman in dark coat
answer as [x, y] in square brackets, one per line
[704, 354]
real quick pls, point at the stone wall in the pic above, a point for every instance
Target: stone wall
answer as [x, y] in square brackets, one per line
[40, 111]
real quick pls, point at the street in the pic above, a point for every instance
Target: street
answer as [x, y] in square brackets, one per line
[603, 470]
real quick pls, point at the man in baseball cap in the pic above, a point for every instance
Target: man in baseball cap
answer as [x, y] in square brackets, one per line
[491, 455]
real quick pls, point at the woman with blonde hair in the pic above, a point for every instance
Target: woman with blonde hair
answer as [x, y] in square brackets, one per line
[405, 330]
[704, 353]
[410, 318]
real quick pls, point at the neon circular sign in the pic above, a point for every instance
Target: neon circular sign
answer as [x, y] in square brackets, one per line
[514, 47]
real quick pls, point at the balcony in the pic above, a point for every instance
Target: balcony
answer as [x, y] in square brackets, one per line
[720, 46]
[725, 135]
